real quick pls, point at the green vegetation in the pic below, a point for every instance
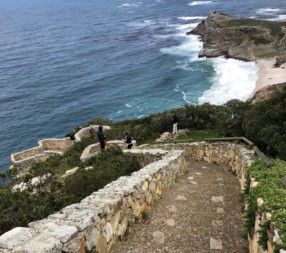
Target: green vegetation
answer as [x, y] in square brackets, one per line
[273, 193]
[199, 135]
[274, 26]
[263, 123]
[20, 208]
[251, 27]
[261, 41]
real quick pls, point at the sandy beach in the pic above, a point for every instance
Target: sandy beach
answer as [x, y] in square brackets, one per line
[268, 74]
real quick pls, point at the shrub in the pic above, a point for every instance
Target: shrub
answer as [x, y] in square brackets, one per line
[20, 208]
[265, 124]
[273, 193]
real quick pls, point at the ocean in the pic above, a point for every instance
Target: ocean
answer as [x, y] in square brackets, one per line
[64, 62]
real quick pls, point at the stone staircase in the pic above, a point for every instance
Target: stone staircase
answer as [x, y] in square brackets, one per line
[200, 213]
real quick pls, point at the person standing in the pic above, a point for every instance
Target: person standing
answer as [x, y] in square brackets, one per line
[233, 115]
[101, 137]
[128, 139]
[175, 123]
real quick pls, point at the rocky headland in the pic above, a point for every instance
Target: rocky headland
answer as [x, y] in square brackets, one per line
[243, 39]
[261, 41]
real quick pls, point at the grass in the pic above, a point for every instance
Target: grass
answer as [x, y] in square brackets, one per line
[199, 135]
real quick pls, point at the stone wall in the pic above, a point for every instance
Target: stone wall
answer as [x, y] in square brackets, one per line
[23, 161]
[84, 132]
[236, 157]
[61, 145]
[93, 149]
[102, 218]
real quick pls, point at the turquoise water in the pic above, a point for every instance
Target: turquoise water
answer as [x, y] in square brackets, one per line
[64, 62]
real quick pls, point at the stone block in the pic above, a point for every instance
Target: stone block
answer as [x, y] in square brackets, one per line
[42, 243]
[149, 198]
[5, 251]
[90, 235]
[122, 228]
[215, 244]
[109, 232]
[114, 221]
[63, 233]
[145, 186]
[101, 244]
[77, 244]
[16, 237]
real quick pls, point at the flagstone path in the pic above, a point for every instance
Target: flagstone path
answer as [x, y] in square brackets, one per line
[200, 213]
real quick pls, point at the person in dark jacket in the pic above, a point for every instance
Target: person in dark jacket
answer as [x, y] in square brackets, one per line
[101, 137]
[128, 139]
[175, 123]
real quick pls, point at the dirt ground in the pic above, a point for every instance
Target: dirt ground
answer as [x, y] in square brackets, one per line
[200, 213]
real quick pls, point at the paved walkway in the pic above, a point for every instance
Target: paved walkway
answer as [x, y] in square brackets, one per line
[201, 213]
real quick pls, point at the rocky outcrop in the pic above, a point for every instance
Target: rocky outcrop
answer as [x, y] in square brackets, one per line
[243, 39]
[266, 92]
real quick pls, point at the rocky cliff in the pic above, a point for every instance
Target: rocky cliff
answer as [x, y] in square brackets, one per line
[266, 92]
[244, 39]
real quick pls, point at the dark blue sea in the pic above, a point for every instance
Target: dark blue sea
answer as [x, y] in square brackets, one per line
[64, 62]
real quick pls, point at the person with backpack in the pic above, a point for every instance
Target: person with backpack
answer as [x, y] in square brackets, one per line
[128, 139]
[101, 138]
[175, 123]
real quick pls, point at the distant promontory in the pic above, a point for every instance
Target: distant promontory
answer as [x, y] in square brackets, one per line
[243, 39]
[262, 41]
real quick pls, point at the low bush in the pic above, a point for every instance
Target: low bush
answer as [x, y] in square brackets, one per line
[265, 124]
[20, 208]
[107, 167]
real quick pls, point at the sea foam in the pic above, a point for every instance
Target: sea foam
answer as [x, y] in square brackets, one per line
[189, 46]
[278, 18]
[233, 79]
[138, 4]
[200, 3]
[267, 11]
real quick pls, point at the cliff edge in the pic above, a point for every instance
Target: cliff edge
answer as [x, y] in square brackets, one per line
[243, 39]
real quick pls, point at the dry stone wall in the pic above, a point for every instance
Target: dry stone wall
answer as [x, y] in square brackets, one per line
[23, 161]
[236, 157]
[84, 132]
[93, 149]
[102, 218]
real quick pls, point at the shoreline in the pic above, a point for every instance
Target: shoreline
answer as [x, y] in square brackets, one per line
[268, 74]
